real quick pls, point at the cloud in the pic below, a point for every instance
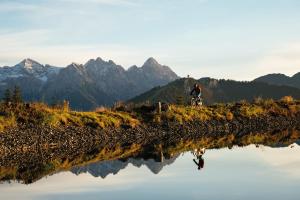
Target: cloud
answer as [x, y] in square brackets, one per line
[104, 2]
[285, 160]
[16, 6]
[36, 44]
[282, 59]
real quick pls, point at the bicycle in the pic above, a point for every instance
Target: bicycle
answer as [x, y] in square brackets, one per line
[196, 101]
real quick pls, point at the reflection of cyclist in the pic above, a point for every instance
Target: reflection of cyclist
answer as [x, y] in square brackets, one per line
[199, 153]
[200, 162]
[196, 91]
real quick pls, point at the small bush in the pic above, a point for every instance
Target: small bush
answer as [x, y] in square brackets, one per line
[101, 109]
[251, 111]
[258, 100]
[229, 116]
[294, 108]
[267, 103]
[287, 99]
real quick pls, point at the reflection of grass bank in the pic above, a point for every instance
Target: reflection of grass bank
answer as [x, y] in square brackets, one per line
[41, 114]
[38, 169]
[283, 138]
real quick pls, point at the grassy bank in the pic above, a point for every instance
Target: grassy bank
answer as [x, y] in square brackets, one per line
[40, 114]
[287, 106]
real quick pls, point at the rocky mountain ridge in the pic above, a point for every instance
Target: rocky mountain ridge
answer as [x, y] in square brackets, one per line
[86, 86]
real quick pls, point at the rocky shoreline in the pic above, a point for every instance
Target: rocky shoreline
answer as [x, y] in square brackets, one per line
[30, 138]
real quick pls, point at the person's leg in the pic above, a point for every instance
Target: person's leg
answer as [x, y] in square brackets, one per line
[195, 162]
[199, 95]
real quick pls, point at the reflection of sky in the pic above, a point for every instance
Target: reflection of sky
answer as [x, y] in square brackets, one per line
[241, 173]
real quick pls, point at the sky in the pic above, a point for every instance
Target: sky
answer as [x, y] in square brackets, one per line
[231, 39]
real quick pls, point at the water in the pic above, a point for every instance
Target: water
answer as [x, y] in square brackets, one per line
[250, 172]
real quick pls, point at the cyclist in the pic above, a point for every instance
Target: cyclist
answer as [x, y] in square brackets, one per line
[196, 91]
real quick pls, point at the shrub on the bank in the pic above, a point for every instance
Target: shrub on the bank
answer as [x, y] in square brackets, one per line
[6, 122]
[258, 100]
[229, 116]
[101, 109]
[294, 108]
[267, 103]
[287, 99]
[251, 110]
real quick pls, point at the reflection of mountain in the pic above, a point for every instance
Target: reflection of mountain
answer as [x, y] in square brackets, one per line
[105, 168]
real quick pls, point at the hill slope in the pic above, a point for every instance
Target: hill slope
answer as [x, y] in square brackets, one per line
[216, 91]
[280, 79]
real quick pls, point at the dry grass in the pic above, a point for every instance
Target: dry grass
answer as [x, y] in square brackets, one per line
[251, 111]
[259, 108]
[182, 114]
[41, 114]
[6, 122]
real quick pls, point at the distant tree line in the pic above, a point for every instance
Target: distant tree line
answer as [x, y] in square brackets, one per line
[13, 96]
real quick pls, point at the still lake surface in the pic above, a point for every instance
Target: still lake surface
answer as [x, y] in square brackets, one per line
[250, 172]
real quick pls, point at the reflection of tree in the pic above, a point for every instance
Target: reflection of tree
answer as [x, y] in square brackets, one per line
[31, 166]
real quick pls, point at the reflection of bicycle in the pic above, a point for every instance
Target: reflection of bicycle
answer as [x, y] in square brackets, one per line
[196, 101]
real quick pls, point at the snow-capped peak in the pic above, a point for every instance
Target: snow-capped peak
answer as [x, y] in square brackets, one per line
[28, 68]
[30, 64]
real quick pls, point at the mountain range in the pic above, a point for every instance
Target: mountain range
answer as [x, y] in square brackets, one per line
[97, 82]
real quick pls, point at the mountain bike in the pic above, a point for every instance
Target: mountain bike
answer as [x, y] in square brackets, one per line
[196, 101]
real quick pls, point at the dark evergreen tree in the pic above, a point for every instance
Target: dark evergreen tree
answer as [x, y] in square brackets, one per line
[7, 96]
[17, 97]
[180, 100]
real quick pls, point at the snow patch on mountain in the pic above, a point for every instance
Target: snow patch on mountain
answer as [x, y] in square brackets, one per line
[28, 68]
